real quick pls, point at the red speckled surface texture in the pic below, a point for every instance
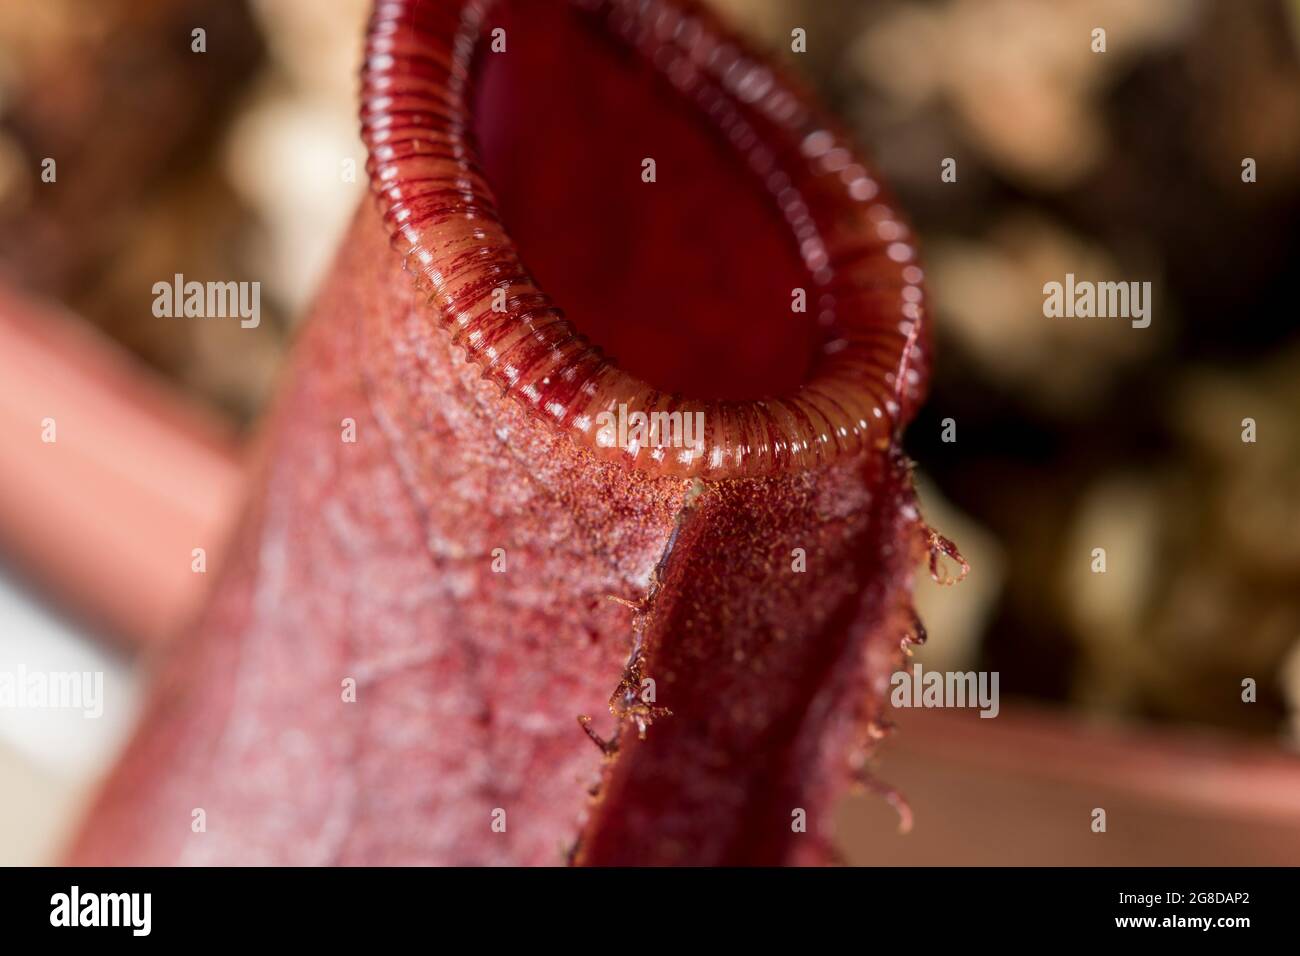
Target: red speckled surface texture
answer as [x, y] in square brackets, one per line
[373, 560]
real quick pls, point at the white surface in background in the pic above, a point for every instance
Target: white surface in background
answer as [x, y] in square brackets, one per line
[61, 742]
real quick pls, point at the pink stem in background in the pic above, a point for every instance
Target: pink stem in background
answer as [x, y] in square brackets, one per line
[107, 516]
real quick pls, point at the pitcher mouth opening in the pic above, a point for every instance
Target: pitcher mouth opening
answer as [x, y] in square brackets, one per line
[688, 210]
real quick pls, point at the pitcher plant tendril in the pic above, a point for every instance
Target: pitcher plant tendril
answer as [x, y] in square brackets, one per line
[577, 208]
